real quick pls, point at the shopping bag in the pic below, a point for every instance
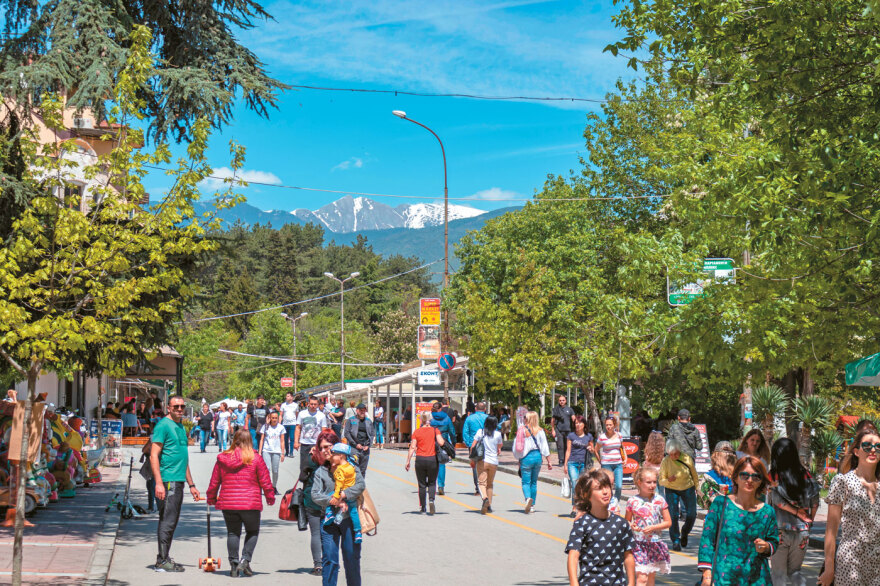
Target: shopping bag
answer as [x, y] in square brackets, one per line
[566, 487]
[368, 514]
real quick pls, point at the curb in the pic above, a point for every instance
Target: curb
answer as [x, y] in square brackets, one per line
[99, 569]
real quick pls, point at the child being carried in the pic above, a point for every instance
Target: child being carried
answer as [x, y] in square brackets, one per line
[342, 467]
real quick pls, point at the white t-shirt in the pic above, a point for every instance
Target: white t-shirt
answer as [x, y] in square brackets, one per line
[272, 438]
[223, 420]
[310, 426]
[378, 414]
[288, 413]
[491, 445]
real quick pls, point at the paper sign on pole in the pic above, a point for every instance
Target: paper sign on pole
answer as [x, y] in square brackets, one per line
[429, 311]
[286, 382]
[429, 342]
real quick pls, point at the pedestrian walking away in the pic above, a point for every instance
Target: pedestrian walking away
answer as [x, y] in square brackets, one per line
[314, 514]
[379, 423]
[205, 423]
[599, 548]
[441, 421]
[272, 446]
[679, 477]
[530, 448]
[342, 468]
[358, 431]
[562, 418]
[289, 410]
[336, 538]
[609, 452]
[424, 444]
[222, 424]
[648, 515]
[147, 474]
[309, 424]
[486, 468]
[717, 481]
[655, 450]
[169, 460]
[739, 534]
[472, 425]
[854, 508]
[238, 483]
[578, 454]
[795, 497]
[686, 434]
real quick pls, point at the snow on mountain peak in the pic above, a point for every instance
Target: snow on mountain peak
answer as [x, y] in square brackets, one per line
[431, 214]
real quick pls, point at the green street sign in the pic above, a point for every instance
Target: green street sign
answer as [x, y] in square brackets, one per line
[720, 270]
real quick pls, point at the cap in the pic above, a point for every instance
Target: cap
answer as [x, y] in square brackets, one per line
[724, 447]
[361, 406]
[341, 449]
[683, 414]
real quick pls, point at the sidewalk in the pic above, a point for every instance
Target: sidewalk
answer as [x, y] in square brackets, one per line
[73, 540]
[509, 465]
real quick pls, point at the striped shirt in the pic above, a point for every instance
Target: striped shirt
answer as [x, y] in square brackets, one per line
[609, 449]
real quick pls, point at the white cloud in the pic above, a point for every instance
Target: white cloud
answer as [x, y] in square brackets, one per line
[496, 194]
[352, 163]
[215, 181]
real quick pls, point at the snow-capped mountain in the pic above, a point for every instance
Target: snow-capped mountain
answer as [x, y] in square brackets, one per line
[355, 214]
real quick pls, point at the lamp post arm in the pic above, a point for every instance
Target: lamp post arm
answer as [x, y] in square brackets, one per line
[442, 150]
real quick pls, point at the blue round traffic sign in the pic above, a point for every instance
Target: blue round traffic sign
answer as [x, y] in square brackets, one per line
[446, 361]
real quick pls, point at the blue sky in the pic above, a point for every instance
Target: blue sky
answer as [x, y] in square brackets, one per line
[351, 141]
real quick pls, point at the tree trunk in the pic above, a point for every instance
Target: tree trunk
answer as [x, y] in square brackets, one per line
[21, 470]
[591, 412]
[789, 385]
[804, 448]
[768, 427]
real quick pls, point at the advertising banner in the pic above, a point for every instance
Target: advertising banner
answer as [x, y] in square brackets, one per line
[429, 312]
[428, 377]
[429, 342]
[111, 432]
[633, 448]
[422, 408]
[703, 460]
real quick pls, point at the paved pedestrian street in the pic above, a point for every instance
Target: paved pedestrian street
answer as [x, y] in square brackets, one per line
[457, 545]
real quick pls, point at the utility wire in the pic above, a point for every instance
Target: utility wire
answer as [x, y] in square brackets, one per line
[468, 96]
[216, 317]
[284, 359]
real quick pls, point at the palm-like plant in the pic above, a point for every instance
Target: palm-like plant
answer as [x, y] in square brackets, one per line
[767, 402]
[814, 412]
[825, 443]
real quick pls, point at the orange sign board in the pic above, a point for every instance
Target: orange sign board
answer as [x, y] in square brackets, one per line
[429, 311]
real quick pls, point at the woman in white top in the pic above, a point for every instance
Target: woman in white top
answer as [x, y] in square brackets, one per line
[609, 451]
[754, 444]
[534, 449]
[223, 426]
[271, 442]
[491, 438]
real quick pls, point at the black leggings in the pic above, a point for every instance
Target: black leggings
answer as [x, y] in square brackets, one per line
[426, 474]
[234, 521]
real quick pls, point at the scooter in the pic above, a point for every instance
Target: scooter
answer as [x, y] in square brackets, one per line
[209, 564]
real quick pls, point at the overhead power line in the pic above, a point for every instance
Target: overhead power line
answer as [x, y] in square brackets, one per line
[320, 297]
[284, 359]
[437, 95]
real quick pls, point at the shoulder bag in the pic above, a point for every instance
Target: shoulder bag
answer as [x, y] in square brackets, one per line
[368, 514]
[441, 453]
[478, 450]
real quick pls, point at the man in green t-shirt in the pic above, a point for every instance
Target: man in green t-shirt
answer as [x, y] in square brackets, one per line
[169, 459]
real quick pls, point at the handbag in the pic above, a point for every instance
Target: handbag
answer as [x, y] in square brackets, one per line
[478, 451]
[717, 537]
[288, 510]
[566, 487]
[369, 516]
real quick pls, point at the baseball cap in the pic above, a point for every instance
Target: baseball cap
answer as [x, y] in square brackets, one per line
[724, 447]
[341, 448]
[361, 406]
[684, 413]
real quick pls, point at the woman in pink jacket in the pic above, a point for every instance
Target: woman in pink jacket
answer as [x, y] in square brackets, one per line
[242, 477]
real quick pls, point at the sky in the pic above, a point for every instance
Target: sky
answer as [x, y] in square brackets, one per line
[496, 150]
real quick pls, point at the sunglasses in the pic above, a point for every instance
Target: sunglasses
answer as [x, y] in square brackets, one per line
[869, 447]
[178, 407]
[746, 476]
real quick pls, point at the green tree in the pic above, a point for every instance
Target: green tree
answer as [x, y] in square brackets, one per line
[82, 45]
[269, 335]
[206, 373]
[395, 337]
[97, 290]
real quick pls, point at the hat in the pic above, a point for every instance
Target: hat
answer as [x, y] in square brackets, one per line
[684, 414]
[724, 447]
[341, 449]
[361, 406]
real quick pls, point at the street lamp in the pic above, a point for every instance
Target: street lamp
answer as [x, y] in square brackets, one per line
[444, 339]
[292, 321]
[342, 322]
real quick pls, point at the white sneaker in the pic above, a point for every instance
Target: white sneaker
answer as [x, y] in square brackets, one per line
[529, 504]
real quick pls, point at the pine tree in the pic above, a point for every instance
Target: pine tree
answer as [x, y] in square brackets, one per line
[80, 46]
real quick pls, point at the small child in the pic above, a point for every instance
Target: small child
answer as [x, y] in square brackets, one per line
[344, 476]
[648, 515]
[600, 545]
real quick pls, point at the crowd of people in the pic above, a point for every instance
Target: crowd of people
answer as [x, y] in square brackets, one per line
[760, 499]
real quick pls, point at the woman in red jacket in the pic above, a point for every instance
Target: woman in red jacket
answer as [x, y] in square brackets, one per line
[242, 477]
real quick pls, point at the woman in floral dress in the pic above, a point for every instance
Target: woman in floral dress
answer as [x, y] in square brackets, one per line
[854, 507]
[740, 533]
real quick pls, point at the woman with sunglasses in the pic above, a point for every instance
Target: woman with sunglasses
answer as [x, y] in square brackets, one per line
[740, 533]
[854, 507]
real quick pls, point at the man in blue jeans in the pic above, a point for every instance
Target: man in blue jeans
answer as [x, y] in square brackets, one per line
[472, 425]
[289, 411]
[442, 421]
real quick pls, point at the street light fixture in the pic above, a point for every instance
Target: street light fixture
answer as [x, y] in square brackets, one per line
[292, 321]
[444, 339]
[342, 322]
